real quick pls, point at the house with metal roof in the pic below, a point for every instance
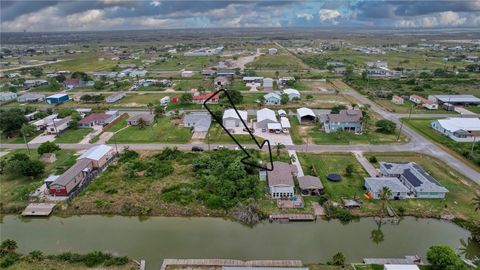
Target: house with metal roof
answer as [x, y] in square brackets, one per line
[345, 120]
[306, 116]
[420, 183]
[231, 118]
[134, 120]
[57, 98]
[285, 124]
[280, 180]
[252, 79]
[400, 267]
[455, 99]
[264, 117]
[199, 121]
[272, 98]
[57, 126]
[310, 185]
[72, 178]
[268, 84]
[99, 155]
[115, 97]
[225, 72]
[458, 129]
[7, 96]
[31, 97]
[292, 93]
[282, 113]
[374, 186]
[93, 119]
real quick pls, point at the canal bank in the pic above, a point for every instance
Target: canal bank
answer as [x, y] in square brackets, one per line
[156, 238]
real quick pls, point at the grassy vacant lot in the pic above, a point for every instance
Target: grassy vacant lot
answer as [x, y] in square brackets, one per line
[218, 136]
[179, 62]
[461, 191]
[187, 85]
[163, 131]
[48, 264]
[405, 108]
[72, 135]
[326, 163]
[18, 139]
[462, 150]
[14, 190]
[280, 62]
[83, 62]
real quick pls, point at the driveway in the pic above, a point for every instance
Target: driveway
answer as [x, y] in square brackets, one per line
[42, 138]
[296, 163]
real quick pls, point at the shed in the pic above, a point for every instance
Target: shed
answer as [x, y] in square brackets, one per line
[31, 97]
[400, 267]
[135, 119]
[231, 118]
[292, 93]
[57, 98]
[305, 116]
[310, 185]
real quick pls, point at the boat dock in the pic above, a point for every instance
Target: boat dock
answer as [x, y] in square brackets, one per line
[228, 262]
[38, 209]
[407, 260]
[292, 217]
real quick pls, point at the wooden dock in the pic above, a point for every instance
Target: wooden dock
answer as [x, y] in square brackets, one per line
[292, 217]
[228, 262]
[38, 209]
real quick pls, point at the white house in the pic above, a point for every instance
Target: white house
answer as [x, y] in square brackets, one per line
[305, 116]
[264, 117]
[6, 96]
[58, 125]
[285, 124]
[268, 84]
[292, 93]
[429, 104]
[459, 129]
[231, 119]
[272, 51]
[400, 267]
[115, 97]
[280, 180]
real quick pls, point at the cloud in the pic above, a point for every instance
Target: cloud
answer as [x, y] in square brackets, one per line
[305, 16]
[328, 15]
[441, 19]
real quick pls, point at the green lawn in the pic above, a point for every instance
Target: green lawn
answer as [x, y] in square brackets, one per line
[238, 85]
[14, 190]
[163, 131]
[85, 62]
[371, 136]
[188, 84]
[119, 125]
[327, 163]
[474, 109]
[463, 150]
[179, 62]
[73, 135]
[219, 136]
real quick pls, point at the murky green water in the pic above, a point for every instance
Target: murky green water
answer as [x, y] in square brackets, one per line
[158, 237]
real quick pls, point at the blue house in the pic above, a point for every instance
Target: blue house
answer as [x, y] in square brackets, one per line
[272, 98]
[57, 98]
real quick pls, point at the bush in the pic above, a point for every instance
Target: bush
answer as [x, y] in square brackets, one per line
[95, 258]
[444, 258]
[342, 214]
[9, 260]
[47, 147]
[373, 159]
[322, 199]
[386, 126]
[117, 261]
[349, 170]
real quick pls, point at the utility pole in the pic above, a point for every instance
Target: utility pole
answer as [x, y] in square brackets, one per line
[401, 123]
[473, 145]
[26, 143]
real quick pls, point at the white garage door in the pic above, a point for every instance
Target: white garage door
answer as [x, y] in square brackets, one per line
[230, 123]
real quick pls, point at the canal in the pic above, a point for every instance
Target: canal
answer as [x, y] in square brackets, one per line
[156, 238]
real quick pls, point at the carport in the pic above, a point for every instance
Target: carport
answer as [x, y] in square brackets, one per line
[306, 116]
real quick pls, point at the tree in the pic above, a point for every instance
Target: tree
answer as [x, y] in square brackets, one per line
[60, 78]
[377, 235]
[159, 110]
[349, 170]
[337, 108]
[386, 126]
[64, 112]
[21, 164]
[141, 123]
[11, 121]
[476, 202]
[36, 255]
[33, 168]
[150, 107]
[9, 245]
[235, 95]
[444, 258]
[284, 99]
[37, 72]
[82, 75]
[338, 259]
[186, 98]
[28, 130]
[47, 147]
[279, 147]
[99, 85]
[385, 193]
[365, 117]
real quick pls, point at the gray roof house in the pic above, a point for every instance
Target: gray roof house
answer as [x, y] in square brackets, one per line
[415, 178]
[231, 119]
[31, 97]
[6, 96]
[310, 185]
[374, 186]
[200, 121]
[147, 117]
[115, 97]
[268, 84]
[346, 120]
[280, 180]
[272, 98]
[264, 117]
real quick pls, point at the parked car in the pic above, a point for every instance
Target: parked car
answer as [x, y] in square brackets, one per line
[197, 149]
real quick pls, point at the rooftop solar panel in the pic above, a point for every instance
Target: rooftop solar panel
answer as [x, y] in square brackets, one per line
[413, 179]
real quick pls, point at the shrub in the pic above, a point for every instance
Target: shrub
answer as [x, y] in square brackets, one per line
[95, 258]
[373, 159]
[349, 170]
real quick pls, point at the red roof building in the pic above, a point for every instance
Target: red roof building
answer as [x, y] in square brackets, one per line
[199, 99]
[94, 119]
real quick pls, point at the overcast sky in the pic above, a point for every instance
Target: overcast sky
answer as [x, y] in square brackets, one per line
[82, 15]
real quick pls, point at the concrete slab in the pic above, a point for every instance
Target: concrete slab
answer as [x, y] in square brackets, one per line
[296, 163]
[463, 111]
[38, 209]
[366, 164]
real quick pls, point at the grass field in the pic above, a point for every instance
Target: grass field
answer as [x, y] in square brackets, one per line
[163, 131]
[18, 139]
[277, 62]
[462, 150]
[83, 62]
[218, 136]
[178, 62]
[49, 264]
[72, 135]
[187, 85]
[14, 190]
[371, 136]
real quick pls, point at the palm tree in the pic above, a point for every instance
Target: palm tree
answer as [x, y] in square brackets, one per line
[141, 123]
[377, 235]
[292, 159]
[365, 117]
[279, 147]
[385, 194]
[476, 202]
[9, 245]
[150, 107]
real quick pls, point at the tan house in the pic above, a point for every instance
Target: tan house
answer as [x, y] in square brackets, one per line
[99, 155]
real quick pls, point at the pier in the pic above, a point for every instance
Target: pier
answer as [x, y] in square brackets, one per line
[228, 262]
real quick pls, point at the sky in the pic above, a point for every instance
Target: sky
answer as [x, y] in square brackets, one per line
[104, 15]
